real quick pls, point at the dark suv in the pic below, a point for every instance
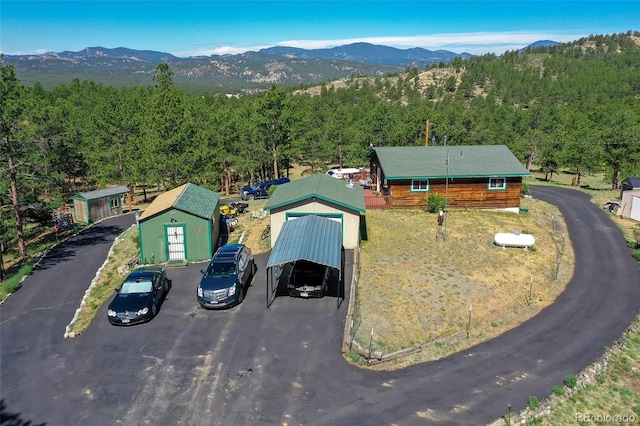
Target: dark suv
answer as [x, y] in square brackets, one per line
[261, 189]
[227, 277]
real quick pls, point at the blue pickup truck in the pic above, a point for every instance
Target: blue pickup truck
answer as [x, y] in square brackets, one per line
[260, 189]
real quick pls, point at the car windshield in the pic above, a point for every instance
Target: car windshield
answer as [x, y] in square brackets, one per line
[220, 270]
[136, 286]
[255, 185]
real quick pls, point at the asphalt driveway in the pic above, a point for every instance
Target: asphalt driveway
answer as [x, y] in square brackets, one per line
[256, 366]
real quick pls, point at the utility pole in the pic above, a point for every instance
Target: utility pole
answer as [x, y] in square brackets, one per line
[446, 191]
[426, 135]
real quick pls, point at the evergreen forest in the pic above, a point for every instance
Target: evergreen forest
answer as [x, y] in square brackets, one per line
[572, 106]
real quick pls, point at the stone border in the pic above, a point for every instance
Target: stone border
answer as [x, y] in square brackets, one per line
[68, 333]
[587, 377]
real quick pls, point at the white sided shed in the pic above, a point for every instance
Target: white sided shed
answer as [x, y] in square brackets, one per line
[324, 196]
[631, 204]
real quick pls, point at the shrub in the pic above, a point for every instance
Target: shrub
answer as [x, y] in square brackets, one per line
[571, 381]
[558, 390]
[435, 203]
[534, 403]
[524, 189]
[636, 235]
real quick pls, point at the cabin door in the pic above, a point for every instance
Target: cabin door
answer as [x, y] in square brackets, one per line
[175, 242]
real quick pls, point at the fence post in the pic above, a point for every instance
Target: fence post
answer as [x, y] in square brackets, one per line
[370, 344]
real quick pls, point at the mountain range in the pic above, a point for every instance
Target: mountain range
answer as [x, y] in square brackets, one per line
[245, 72]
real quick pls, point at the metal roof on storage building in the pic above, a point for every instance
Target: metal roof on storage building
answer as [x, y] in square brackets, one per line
[422, 162]
[101, 193]
[189, 198]
[320, 186]
[312, 238]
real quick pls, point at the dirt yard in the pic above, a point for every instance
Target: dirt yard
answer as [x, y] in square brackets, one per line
[414, 290]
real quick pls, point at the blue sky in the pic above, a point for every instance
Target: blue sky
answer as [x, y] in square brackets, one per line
[189, 28]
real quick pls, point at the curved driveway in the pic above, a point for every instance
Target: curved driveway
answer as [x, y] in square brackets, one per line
[250, 365]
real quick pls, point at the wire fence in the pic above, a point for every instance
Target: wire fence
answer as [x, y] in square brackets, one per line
[367, 350]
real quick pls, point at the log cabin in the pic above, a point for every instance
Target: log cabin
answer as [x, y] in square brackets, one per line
[474, 176]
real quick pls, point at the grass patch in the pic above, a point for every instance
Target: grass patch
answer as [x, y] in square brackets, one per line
[13, 282]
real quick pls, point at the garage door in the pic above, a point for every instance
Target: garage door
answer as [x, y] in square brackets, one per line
[330, 216]
[635, 209]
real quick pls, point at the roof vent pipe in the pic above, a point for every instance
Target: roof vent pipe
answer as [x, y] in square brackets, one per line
[350, 184]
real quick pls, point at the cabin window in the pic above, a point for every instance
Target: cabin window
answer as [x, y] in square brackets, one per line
[114, 203]
[420, 185]
[497, 183]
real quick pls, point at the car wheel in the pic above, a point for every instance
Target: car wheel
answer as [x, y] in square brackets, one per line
[251, 197]
[154, 310]
[240, 295]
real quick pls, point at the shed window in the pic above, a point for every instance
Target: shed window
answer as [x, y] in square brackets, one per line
[114, 203]
[497, 183]
[420, 185]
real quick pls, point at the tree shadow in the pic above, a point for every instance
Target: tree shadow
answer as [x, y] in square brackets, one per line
[13, 419]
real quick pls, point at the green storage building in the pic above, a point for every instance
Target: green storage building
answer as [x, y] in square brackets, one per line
[181, 224]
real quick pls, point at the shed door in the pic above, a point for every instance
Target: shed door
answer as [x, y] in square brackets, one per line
[175, 242]
[635, 208]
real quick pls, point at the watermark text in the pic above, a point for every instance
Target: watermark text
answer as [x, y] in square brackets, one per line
[607, 418]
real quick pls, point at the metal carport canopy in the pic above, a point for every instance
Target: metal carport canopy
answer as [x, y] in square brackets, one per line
[312, 238]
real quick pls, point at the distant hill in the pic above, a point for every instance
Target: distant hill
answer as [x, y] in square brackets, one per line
[117, 53]
[539, 43]
[370, 53]
[245, 72]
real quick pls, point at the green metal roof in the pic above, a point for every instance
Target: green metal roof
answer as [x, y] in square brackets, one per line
[102, 193]
[319, 186]
[313, 238]
[198, 201]
[417, 162]
[189, 198]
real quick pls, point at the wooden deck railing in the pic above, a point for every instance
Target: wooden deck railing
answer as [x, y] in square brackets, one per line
[377, 201]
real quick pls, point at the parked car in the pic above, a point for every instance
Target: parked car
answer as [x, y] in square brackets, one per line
[260, 189]
[227, 277]
[138, 298]
[308, 279]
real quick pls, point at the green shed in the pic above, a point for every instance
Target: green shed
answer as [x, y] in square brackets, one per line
[181, 224]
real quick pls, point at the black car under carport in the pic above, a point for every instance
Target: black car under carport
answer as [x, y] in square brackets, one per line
[312, 239]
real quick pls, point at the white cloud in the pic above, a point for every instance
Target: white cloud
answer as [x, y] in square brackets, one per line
[475, 43]
[33, 52]
[222, 50]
